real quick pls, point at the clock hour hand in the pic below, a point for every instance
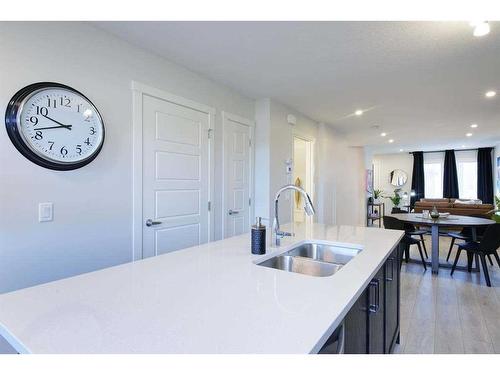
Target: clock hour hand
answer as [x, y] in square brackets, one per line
[57, 122]
[56, 127]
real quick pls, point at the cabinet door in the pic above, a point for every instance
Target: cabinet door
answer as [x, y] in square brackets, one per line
[356, 326]
[392, 276]
[376, 343]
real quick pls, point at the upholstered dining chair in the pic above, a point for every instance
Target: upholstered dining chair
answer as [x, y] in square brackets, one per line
[488, 246]
[411, 230]
[393, 223]
[466, 235]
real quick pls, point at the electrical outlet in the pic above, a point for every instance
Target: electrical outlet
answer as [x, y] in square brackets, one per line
[45, 212]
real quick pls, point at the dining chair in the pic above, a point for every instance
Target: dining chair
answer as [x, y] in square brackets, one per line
[488, 246]
[407, 240]
[411, 230]
[466, 235]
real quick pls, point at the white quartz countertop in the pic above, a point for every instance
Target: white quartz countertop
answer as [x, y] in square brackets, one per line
[211, 298]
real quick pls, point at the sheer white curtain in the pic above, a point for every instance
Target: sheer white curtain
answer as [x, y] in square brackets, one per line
[467, 173]
[466, 170]
[434, 174]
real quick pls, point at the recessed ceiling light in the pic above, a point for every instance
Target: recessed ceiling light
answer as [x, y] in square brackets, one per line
[469, 134]
[358, 112]
[481, 28]
[463, 146]
[391, 140]
[383, 134]
[401, 150]
[473, 126]
[490, 94]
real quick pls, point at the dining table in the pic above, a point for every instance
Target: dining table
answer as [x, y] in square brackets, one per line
[436, 226]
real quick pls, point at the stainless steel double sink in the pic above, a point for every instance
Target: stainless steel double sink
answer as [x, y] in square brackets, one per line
[313, 258]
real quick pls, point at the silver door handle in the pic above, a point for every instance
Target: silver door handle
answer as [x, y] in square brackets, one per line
[150, 222]
[233, 212]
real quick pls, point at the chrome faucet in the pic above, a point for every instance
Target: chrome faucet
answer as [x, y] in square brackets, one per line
[308, 208]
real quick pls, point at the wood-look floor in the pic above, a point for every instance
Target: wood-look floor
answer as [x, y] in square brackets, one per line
[448, 314]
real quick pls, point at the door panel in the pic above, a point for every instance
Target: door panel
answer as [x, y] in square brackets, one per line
[392, 276]
[376, 314]
[356, 326]
[176, 169]
[236, 177]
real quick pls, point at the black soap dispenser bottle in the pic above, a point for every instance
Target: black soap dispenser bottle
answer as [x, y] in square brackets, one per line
[258, 237]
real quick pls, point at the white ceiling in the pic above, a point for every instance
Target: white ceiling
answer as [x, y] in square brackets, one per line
[421, 82]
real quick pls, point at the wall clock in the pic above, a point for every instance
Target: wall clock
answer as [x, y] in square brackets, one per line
[54, 126]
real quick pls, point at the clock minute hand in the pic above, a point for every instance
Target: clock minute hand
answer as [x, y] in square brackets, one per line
[56, 127]
[57, 122]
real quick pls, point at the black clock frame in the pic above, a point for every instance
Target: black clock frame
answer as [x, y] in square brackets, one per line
[17, 139]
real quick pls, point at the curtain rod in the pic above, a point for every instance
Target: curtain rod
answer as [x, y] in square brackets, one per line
[462, 149]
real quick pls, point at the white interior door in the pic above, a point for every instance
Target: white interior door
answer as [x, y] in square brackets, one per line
[237, 175]
[176, 167]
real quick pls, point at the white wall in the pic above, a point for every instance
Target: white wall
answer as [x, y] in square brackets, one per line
[274, 145]
[383, 165]
[341, 185]
[92, 225]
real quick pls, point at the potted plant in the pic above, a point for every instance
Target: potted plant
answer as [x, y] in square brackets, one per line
[495, 214]
[396, 198]
[377, 194]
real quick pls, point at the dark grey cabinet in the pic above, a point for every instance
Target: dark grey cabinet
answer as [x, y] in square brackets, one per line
[376, 310]
[356, 326]
[372, 324]
[392, 297]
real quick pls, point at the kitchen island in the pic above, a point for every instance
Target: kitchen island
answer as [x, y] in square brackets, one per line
[211, 298]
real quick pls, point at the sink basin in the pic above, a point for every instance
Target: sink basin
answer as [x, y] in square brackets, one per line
[336, 254]
[301, 265]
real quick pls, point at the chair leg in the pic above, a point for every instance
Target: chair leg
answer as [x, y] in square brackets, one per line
[470, 259]
[456, 261]
[497, 258]
[489, 258]
[485, 269]
[423, 244]
[421, 255]
[407, 253]
[451, 248]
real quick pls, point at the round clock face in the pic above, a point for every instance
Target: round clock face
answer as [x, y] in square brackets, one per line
[55, 126]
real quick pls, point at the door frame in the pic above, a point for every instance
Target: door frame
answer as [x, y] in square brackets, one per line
[139, 90]
[312, 167]
[251, 156]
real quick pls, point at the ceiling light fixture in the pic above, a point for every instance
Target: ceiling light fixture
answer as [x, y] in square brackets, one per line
[490, 94]
[469, 134]
[383, 134]
[473, 126]
[481, 28]
[401, 150]
[391, 140]
[358, 112]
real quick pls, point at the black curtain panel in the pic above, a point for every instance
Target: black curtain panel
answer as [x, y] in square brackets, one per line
[417, 180]
[484, 175]
[450, 180]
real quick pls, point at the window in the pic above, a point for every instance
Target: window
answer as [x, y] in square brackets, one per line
[433, 175]
[467, 174]
[466, 171]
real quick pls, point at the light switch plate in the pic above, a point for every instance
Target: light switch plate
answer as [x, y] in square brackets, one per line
[45, 212]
